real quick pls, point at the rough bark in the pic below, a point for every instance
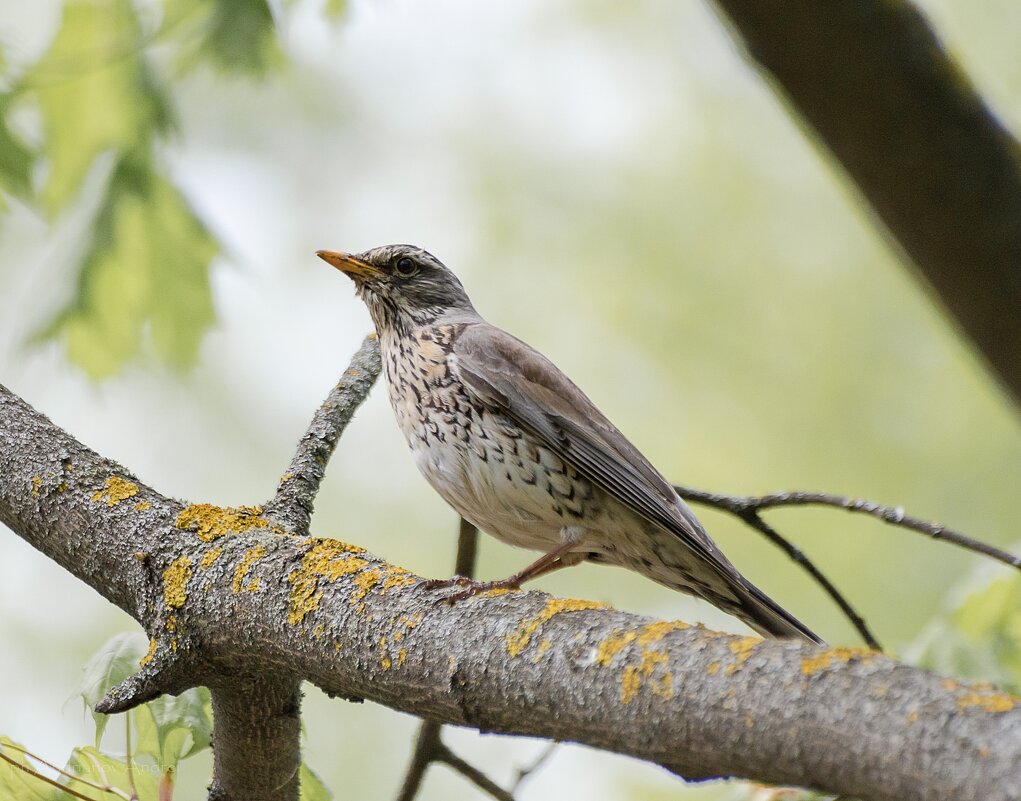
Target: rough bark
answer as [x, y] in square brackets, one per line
[873, 81]
[235, 601]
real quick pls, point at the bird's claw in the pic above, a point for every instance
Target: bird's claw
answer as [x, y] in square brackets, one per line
[468, 587]
[442, 584]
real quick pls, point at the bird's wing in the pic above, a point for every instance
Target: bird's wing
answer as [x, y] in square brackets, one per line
[507, 374]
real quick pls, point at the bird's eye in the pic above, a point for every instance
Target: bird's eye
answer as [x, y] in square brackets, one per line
[406, 267]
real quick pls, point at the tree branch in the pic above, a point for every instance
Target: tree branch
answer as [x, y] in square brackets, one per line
[744, 505]
[244, 601]
[295, 497]
[873, 81]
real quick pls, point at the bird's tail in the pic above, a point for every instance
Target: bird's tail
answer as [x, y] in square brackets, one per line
[767, 617]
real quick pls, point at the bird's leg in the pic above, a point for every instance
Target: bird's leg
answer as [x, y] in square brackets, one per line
[554, 560]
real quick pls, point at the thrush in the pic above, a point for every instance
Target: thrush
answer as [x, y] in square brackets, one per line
[515, 447]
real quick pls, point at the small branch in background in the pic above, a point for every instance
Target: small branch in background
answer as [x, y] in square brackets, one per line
[741, 505]
[756, 522]
[538, 762]
[295, 495]
[429, 746]
[748, 509]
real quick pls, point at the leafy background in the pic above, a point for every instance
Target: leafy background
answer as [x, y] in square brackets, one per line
[613, 184]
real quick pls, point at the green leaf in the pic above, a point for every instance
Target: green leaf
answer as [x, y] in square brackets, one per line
[146, 271]
[235, 35]
[90, 764]
[334, 8]
[115, 661]
[174, 728]
[95, 93]
[16, 159]
[980, 637]
[18, 785]
[312, 787]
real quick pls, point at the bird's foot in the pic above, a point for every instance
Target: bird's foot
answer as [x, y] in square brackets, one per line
[443, 584]
[469, 588]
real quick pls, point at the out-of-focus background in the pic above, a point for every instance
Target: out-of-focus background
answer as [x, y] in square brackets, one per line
[612, 182]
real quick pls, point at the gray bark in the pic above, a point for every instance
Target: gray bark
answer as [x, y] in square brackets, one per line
[249, 606]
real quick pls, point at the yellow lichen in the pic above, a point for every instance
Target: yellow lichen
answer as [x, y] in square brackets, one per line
[544, 646]
[742, 648]
[38, 482]
[171, 624]
[209, 557]
[810, 665]
[613, 645]
[406, 624]
[652, 659]
[328, 560]
[654, 632]
[147, 658]
[62, 486]
[495, 592]
[115, 490]
[714, 668]
[365, 581]
[252, 555]
[211, 522]
[142, 506]
[397, 577]
[518, 641]
[629, 684]
[175, 582]
[987, 701]
[402, 654]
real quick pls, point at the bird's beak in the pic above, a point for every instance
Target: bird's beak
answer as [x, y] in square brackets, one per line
[349, 265]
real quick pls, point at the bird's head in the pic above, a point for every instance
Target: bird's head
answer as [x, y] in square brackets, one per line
[403, 286]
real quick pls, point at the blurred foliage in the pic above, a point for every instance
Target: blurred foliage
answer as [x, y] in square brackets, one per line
[105, 104]
[233, 35]
[165, 732]
[979, 635]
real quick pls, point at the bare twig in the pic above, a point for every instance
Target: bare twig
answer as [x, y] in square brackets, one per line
[743, 504]
[749, 507]
[43, 778]
[473, 774]
[756, 522]
[744, 508]
[538, 762]
[467, 549]
[297, 490]
[427, 744]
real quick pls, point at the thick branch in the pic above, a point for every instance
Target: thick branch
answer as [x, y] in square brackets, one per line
[257, 738]
[243, 600]
[876, 85]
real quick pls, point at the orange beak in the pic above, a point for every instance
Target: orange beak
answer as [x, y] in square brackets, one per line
[349, 265]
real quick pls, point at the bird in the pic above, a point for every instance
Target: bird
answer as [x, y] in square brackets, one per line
[517, 449]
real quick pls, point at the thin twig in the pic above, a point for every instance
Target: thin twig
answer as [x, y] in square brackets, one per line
[36, 774]
[472, 774]
[538, 762]
[297, 490]
[467, 549]
[128, 757]
[427, 744]
[895, 516]
[744, 509]
[756, 522]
